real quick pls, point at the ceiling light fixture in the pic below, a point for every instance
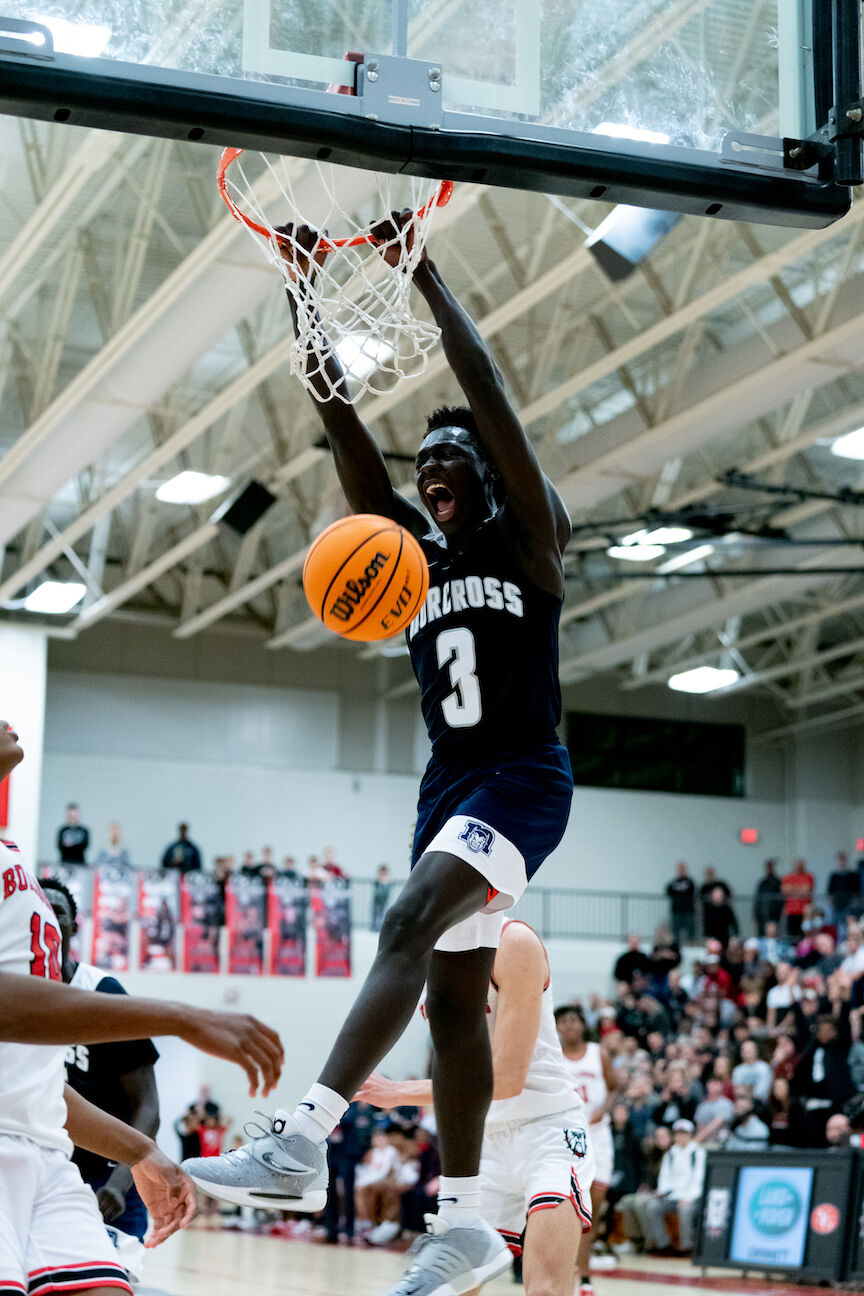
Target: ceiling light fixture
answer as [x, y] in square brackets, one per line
[703, 679]
[850, 446]
[635, 552]
[659, 536]
[191, 488]
[55, 597]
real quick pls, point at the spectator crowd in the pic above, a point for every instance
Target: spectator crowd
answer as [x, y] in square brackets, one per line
[183, 856]
[754, 1044]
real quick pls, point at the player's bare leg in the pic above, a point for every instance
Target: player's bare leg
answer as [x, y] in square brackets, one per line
[583, 1263]
[462, 1055]
[460, 1248]
[441, 891]
[286, 1164]
[552, 1240]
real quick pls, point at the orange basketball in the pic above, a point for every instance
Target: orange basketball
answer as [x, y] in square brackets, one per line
[365, 577]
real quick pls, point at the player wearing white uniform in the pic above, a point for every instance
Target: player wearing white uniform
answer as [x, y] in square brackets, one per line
[537, 1163]
[51, 1233]
[593, 1078]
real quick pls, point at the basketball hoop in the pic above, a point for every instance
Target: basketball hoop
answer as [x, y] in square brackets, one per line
[354, 305]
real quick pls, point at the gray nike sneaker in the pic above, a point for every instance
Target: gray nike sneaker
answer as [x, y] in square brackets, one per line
[451, 1260]
[278, 1167]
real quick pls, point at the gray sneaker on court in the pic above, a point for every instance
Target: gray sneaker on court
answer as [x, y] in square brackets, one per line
[278, 1167]
[452, 1259]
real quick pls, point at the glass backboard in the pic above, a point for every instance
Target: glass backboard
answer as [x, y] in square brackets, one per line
[678, 104]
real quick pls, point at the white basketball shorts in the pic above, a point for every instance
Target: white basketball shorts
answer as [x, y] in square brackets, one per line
[52, 1238]
[536, 1165]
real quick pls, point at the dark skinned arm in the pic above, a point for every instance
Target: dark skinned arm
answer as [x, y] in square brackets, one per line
[142, 1101]
[542, 524]
[165, 1190]
[33, 1011]
[359, 462]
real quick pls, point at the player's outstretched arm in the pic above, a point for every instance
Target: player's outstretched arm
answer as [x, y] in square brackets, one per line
[33, 1011]
[359, 463]
[535, 505]
[378, 1091]
[141, 1102]
[165, 1190]
[521, 972]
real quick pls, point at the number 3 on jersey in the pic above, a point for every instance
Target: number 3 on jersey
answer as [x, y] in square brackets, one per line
[51, 937]
[463, 707]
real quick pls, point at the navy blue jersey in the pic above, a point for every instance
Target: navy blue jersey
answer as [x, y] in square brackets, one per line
[484, 648]
[94, 1071]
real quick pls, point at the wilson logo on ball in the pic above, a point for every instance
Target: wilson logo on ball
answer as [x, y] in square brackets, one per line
[366, 577]
[344, 606]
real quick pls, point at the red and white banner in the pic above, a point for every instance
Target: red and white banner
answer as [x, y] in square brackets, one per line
[113, 901]
[245, 908]
[158, 908]
[201, 915]
[331, 914]
[287, 907]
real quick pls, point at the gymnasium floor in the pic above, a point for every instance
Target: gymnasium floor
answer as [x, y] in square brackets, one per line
[204, 1262]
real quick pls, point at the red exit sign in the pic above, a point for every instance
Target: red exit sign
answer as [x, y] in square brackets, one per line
[749, 836]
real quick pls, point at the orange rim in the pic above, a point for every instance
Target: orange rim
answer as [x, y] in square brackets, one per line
[229, 155]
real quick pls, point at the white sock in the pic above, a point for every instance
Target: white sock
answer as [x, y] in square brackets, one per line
[459, 1199]
[319, 1113]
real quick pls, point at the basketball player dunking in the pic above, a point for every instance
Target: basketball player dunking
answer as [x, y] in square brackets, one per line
[593, 1077]
[537, 1164]
[494, 800]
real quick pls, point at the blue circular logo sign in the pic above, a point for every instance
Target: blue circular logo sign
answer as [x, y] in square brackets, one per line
[775, 1208]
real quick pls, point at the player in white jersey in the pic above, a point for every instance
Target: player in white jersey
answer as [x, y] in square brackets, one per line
[51, 1233]
[593, 1078]
[537, 1163]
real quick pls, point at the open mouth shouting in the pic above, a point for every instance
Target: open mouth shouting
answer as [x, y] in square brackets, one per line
[440, 500]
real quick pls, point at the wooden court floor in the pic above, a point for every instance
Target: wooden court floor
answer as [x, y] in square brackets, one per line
[209, 1262]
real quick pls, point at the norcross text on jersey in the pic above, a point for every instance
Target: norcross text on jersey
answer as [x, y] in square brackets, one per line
[458, 595]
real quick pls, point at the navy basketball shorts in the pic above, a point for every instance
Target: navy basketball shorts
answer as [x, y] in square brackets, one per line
[503, 817]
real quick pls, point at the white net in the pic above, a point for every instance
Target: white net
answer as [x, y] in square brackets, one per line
[350, 303]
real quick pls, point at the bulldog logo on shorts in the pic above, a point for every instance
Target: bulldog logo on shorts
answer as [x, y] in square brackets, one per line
[577, 1141]
[477, 837]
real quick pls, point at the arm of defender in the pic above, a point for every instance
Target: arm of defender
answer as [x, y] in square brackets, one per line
[535, 504]
[378, 1091]
[165, 1190]
[95, 1131]
[33, 1011]
[520, 973]
[142, 1103]
[359, 463]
